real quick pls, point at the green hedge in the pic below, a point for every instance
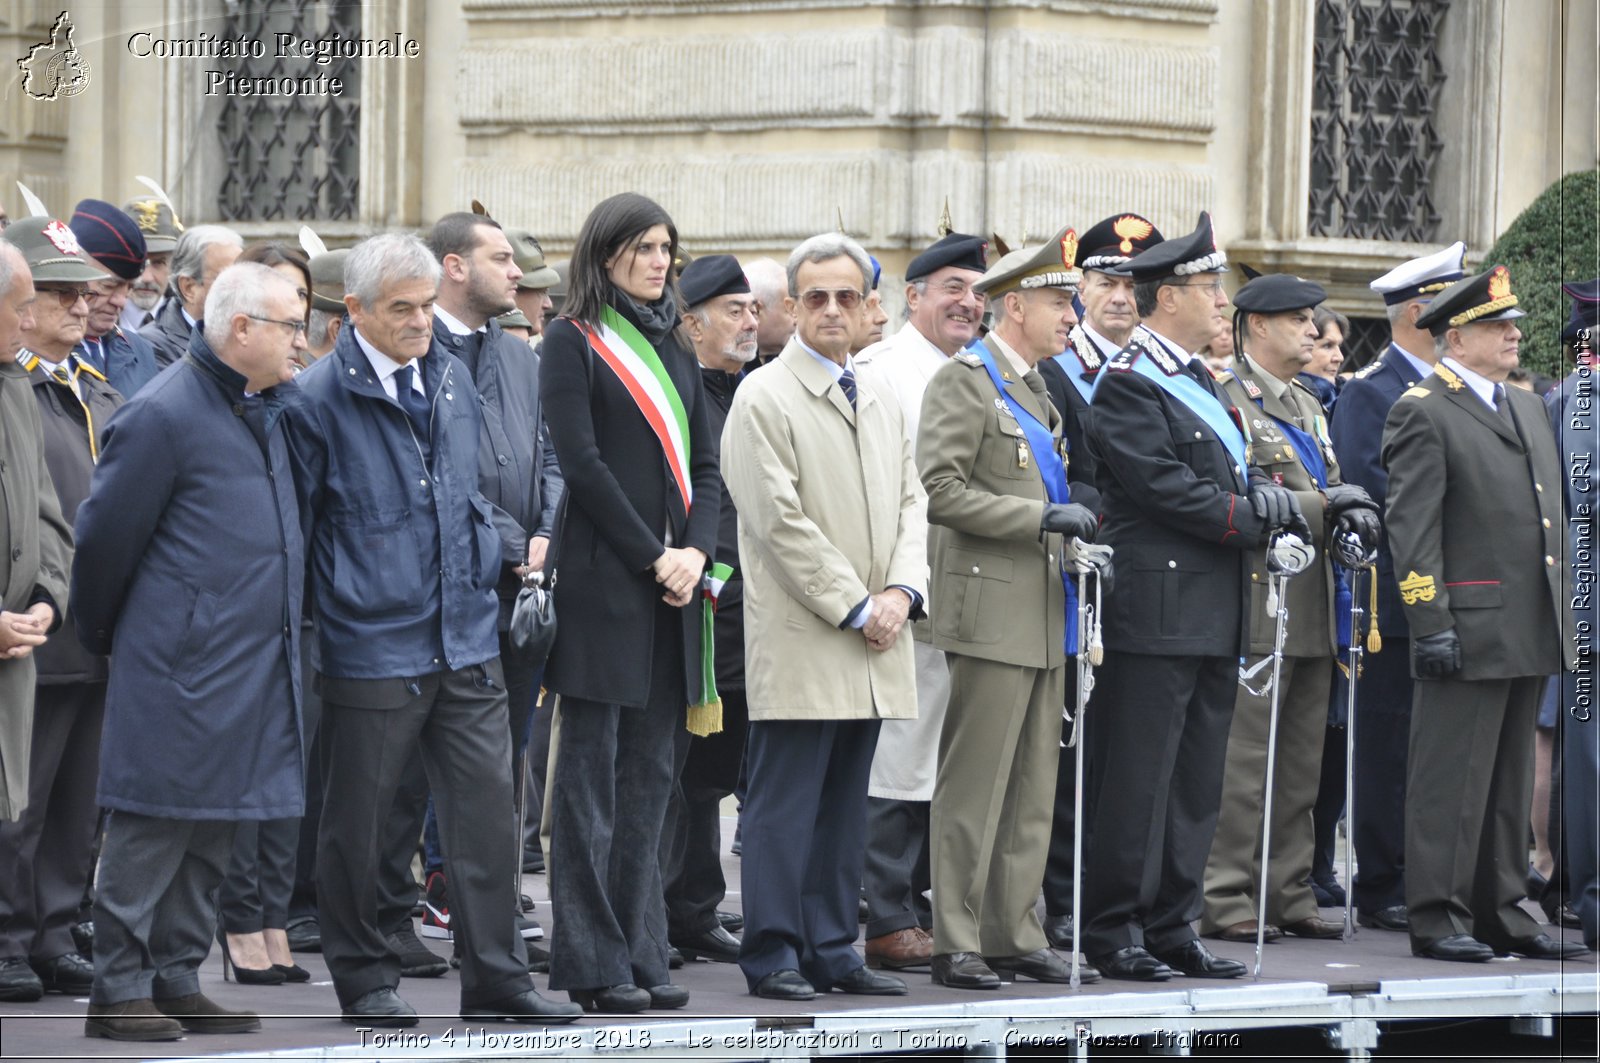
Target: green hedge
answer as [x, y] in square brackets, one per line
[1556, 239]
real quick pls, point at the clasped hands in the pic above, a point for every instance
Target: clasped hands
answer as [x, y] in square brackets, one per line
[679, 571]
[890, 608]
[21, 632]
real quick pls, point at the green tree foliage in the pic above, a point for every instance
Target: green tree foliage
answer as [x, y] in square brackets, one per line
[1557, 239]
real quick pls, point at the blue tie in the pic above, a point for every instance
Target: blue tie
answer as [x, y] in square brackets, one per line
[847, 384]
[94, 354]
[415, 405]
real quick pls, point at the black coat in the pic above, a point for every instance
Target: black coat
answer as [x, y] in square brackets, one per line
[730, 603]
[1176, 514]
[168, 333]
[621, 500]
[1075, 415]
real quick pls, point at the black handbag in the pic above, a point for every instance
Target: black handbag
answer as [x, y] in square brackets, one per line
[533, 618]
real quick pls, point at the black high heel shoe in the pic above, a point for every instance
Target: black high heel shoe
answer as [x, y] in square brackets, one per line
[273, 975]
[292, 972]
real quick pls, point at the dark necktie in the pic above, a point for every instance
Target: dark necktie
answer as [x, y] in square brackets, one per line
[847, 384]
[95, 354]
[1503, 406]
[415, 405]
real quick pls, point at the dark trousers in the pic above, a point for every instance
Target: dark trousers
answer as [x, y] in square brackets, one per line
[155, 910]
[1330, 802]
[538, 765]
[1059, 867]
[1383, 737]
[1160, 740]
[255, 893]
[805, 832]
[1580, 785]
[303, 896]
[691, 841]
[898, 871]
[46, 855]
[1467, 796]
[614, 777]
[370, 730]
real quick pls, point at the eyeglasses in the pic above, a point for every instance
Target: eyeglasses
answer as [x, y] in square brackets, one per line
[67, 297]
[1215, 287]
[298, 327]
[817, 298]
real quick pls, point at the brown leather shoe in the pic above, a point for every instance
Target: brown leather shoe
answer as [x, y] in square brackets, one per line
[130, 1020]
[911, 947]
[1313, 927]
[198, 1013]
[1246, 931]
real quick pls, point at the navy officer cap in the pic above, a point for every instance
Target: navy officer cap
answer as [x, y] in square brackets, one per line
[710, 276]
[1585, 296]
[110, 236]
[1277, 293]
[1181, 256]
[953, 249]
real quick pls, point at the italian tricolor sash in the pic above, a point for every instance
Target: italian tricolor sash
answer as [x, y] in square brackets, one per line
[620, 345]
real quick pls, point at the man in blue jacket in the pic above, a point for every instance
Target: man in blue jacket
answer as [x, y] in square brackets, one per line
[191, 534]
[404, 559]
[113, 239]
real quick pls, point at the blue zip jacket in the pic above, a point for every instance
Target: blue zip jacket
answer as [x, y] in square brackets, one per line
[403, 552]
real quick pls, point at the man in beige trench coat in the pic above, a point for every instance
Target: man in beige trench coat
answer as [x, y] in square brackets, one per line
[833, 538]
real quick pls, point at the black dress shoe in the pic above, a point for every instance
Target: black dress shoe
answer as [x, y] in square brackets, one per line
[963, 970]
[716, 945]
[1195, 960]
[1542, 947]
[666, 996]
[18, 983]
[1560, 914]
[1058, 931]
[624, 999]
[787, 984]
[1042, 965]
[674, 959]
[83, 938]
[305, 935]
[526, 1006]
[381, 1007]
[732, 922]
[68, 973]
[1462, 948]
[1394, 917]
[532, 862]
[1131, 964]
[870, 983]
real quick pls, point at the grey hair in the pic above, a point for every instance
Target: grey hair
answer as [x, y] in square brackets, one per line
[1441, 344]
[821, 248]
[700, 313]
[1396, 313]
[921, 288]
[386, 258]
[317, 328]
[189, 257]
[766, 279]
[242, 288]
[10, 258]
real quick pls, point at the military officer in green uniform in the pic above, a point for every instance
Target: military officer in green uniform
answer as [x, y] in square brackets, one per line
[1474, 521]
[990, 454]
[1287, 437]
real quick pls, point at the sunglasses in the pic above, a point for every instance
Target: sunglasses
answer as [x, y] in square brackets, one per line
[817, 298]
[67, 297]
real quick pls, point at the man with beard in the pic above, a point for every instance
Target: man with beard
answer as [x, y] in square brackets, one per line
[944, 311]
[110, 237]
[721, 323]
[160, 229]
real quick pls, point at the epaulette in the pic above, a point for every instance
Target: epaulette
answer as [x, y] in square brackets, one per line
[1367, 370]
[1298, 383]
[1124, 359]
[1418, 392]
[968, 358]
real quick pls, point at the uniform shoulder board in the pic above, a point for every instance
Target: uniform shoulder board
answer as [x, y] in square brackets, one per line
[1298, 383]
[1367, 370]
[1088, 354]
[1163, 360]
[1418, 392]
[1124, 359]
[968, 358]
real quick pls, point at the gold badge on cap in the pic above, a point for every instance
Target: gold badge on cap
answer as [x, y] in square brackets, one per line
[1130, 229]
[1415, 588]
[1069, 247]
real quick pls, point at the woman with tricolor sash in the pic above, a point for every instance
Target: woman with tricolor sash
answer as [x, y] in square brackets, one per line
[626, 411]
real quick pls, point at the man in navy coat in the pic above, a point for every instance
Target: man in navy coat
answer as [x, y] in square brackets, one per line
[191, 531]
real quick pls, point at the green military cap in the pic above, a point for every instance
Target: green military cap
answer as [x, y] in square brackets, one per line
[1486, 297]
[529, 254]
[558, 290]
[1049, 265]
[327, 281]
[159, 226]
[53, 253]
[514, 319]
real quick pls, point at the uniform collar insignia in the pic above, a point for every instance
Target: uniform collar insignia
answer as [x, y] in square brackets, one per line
[1250, 386]
[1451, 380]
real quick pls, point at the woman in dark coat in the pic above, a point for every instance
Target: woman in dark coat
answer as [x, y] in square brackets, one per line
[626, 410]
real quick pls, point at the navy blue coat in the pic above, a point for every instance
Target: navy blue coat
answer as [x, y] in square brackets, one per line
[189, 572]
[404, 556]
[1357, 434]
[130, 360]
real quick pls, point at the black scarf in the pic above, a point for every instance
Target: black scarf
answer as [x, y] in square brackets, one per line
[656, 320]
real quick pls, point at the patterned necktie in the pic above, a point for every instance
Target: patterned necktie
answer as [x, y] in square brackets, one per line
[847, 384]
[415, 405]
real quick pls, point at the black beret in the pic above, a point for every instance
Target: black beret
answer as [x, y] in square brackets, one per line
[955, 249]
[1486, 297]
[110, 236]
[1109, 244]
[1585, 296]
[1278, 293]
[1181, 256]
[710, 276]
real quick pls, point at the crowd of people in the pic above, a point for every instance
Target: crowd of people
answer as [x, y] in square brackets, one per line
[273, 514]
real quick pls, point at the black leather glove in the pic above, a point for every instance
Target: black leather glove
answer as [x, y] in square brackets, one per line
[1275, 506]
[1096, 559]
[1070, 519]
[1438, 655]
[1342, 498]
[1363, 524]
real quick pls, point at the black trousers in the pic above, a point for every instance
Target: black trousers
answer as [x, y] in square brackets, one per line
[303, 895]
[1159, 743]
[898, 866]
[46, 855]
[691, 840]
[805, 832]
[1330, 802]
[371, 729]
[1383, 737]
[1059, 868]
